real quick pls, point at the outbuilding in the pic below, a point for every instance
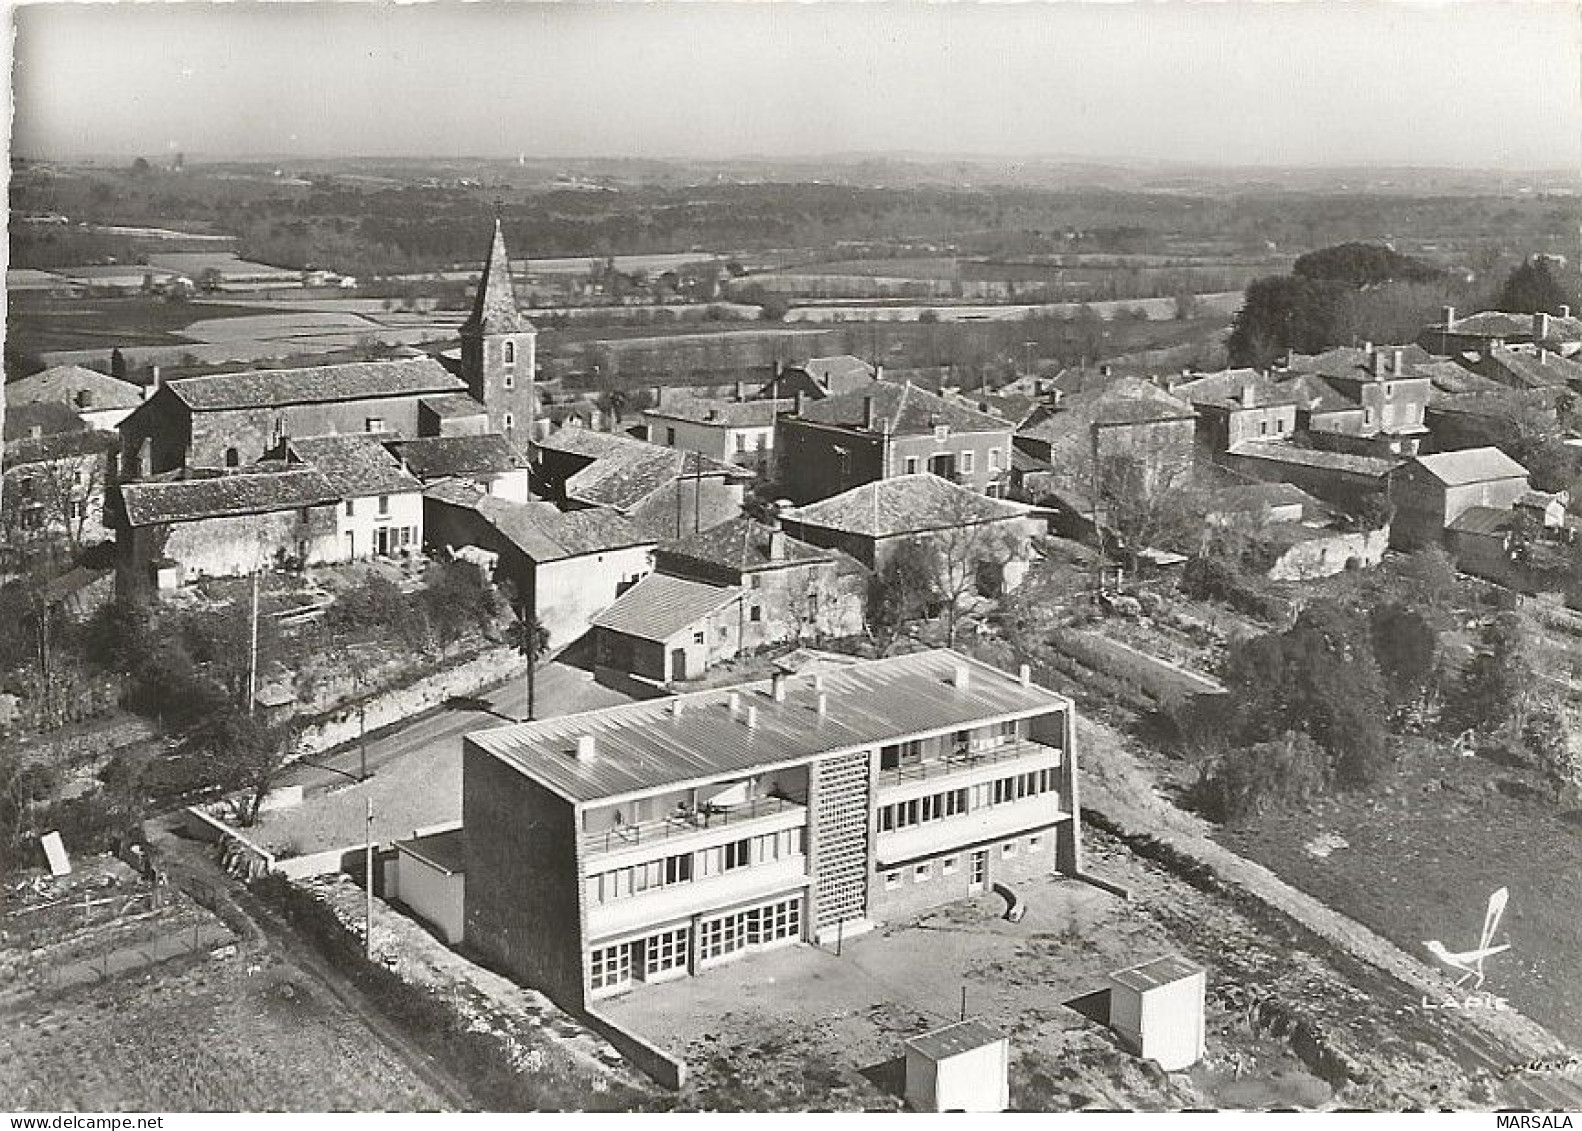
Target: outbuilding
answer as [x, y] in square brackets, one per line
[961, 1067]
[431, 877]
[1157, 1008]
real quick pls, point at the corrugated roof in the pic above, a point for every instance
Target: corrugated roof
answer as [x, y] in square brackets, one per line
[641, 747]
[64, 384]
[1482, 520]
[1471, 465]
[1311, 457]
[743, 544]
[317, 384]
[246, 492]
[955, 1039]
[1156, 972]
[908, 409]
[904, 504]
[435, 457]
[659, 606]
[356, 464]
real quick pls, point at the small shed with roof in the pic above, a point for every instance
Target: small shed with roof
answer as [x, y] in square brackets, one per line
[431, 878]
[961, 1067]
[1157, 1008]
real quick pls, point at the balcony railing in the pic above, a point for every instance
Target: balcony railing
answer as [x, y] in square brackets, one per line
[687, 821]
[959, 760]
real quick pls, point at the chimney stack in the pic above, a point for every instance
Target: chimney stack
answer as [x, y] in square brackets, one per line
[777, 687]
[818, 681]
[736, 702]
[1376, 362]
[675, 708]
[1565, 311]
[1025, 675]
[158, 378]
[878, 372]
[1249, 395]
[1448, 316]
[1540, 327]
[752, 718]
[796, 403]
[659, 395]
[961, 677]
[823, 703]
[867, 414]
[741, 391]
[586, 747]
[777, 545]
[1395, 362]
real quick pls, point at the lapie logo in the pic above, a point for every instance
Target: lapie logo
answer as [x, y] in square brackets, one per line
[1470, 962]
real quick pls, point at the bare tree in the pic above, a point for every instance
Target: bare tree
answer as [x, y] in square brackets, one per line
[54, 499]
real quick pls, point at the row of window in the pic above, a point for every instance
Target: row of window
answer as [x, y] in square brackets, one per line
[962, 743]
[382, 509]
[666, 952]
[954, 802]
[948, 866]
[757, 926]
[681, 868]
[966, 462]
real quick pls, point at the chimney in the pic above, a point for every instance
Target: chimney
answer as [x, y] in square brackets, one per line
[878, 372]
[1565, 311]
[796, 403]
[586, 747]
[675, 708]
[1540, 327]
[1447, 315]
[1395, 362]
[818, 681]
[752, 718]
[1025, 675]
[1290, 357]
[735, 702]
[867, 414]
[1367, 350]
[659, 395]
[777, 687]
[961, 677]
[1249, 395]
[712, 414]
[84, 398]
[777, 545]
[741, 391]
[35, 431]
[1376, 363]
[158, 379]
[1104, 370]
[823, 702]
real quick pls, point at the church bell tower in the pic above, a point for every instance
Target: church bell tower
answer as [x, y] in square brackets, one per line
[499, 350]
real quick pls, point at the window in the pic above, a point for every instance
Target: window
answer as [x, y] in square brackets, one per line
[966, 461]
[1035, 844]
[610, 967]
[755, 614]
[509, 381]
[510, 422]
[741, 441]
[1008, 849]
[948, 866]
[922, 873]
[757, 582]
[233, 458]
[302, 514]
[911, 465]
[719, 937]
[670, 437]
[697, 638]
[892, 880]
[843, 460]
[351, 508]
[678, 869]
[384, 504]
[941, 432]
[738, 854]
[664, 952]
[510, 355]
[374, 424]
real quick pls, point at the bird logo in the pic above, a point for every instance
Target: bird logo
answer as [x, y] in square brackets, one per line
[1470, 962]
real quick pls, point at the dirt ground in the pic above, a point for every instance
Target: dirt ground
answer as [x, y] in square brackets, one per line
[165, 1009]
[805, 1028]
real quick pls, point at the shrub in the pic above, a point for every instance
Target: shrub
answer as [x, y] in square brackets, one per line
[1280, 774]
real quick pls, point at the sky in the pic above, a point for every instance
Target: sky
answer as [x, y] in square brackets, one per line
[1474, 84]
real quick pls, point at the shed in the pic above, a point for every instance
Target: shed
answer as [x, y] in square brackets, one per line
[1157, 1008]
[430, 878]
[961, 1067]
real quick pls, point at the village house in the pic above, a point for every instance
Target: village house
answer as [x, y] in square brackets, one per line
[97, 401]
[820, 377]
[381, 508]
[873, 522]
[657, 839]
[1292, 536]
[1238, 404]
[665, 491]
[669, 629]
[1389, 404]
[485, 462]
[740, 432]
[203, 523]
[54, 488]
[884, 430]
[1526, 367]
[1477, 333]
[1340, 479]
[1517, 547]
[1431, 491]
[1499, 418]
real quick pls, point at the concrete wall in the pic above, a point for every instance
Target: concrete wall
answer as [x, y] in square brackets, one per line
[435, 896]
[571, 592]
[235, 546]
[356, 530]
[524, 892]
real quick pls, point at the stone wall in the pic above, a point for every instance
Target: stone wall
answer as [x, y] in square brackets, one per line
[1326, 556]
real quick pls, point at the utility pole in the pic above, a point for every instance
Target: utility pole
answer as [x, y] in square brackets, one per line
[252, 650]
[368, 884]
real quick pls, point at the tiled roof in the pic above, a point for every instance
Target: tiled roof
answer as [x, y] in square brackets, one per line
[356, 464]
[742, 544]
[1482, 520]
[908, 409]
[64, 384]
[1470, 465]
[539, 530]
[838, 374]
[494, 306]
[317, 384]
[1450, 377]
[1357, 363]
[247, 492]
[722, 414]
[659, 606]
[1316, 394]
[693, 739]
[1253, 496]
[59, 445]
[622, 472]
[1526, 369]
[905, 504]
[1274, 452]
[1125, 400]
[1504, 324]
[434, 457]
[1228, 388]
[451, 406]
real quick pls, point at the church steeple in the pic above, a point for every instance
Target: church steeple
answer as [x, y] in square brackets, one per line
[498, 353]
[494, 307]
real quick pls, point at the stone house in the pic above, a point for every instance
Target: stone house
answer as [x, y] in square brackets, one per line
[884, 430]
[1430, 492]
[1342, 479]
[669, 629]
[487, 463]
[98, 401]
[740, 432]
[1236, 405]
[381, 507]
[566, 566]
[1477, 333]
[54, 487]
